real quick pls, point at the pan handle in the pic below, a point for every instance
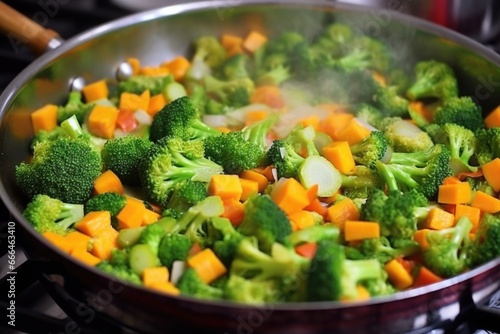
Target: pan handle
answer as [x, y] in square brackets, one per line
[19, 29]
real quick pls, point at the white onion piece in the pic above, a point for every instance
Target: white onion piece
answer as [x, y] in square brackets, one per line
[142, 117]
[215, 120]
[274, 172]
[178, 268]
[104, 102]
[387, 156]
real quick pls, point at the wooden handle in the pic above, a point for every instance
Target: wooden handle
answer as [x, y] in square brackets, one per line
[22, 30]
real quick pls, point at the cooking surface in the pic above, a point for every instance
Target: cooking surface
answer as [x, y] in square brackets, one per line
[36, 311]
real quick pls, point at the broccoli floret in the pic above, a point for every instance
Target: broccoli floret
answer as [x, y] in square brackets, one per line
[370, 150]
[333, 40]
[152, 236]
[48, 214]
[302, 139]
[233, 152]
[399, 79]
[423, 171]
[446, 255]
[274, 77]
[235, 67]
[124, 155]
[461, 143]
[462, 111]
[251, 292]
[208, 55]
[433, 79]
[227, 243]
[284, 158]
[480, 184]
[369, 114]
[397, 214]
[377, 53]
[74, 106]
[110, 201]
[338, 277]
[234, 93]
[137, 84]
[488, 145]
[117, 266]
[313, 234]
[256, 133]
[382, 250]
[390, 103]
[179, 119]
[43, 135]
[170, 161]
[361, 177]
[186, 194]
[190, 284]
[174, 247]
[266, 221]
[486, 244]
[404, 136]
[64, 168]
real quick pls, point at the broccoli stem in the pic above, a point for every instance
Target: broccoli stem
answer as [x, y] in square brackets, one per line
[72, 127]
[68, 214]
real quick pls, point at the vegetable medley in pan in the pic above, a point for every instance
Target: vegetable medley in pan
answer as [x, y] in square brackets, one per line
[266, 169]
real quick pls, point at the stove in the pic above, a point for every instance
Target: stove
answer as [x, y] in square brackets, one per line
[40, 307]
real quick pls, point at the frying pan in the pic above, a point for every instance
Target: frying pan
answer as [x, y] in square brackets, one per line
[155, 36]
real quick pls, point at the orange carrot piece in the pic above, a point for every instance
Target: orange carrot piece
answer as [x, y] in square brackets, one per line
[425, 277]
[474, 214]
[104, 243]
[451, 180]
[229, 41]
[342, 211]
[135, 63]
[312, 192]
[266, 171]
[485, 202]
[207, 265]
[359, 230]
[225, 186]
[269, 95]
[235, 50]
[96, 91]
[132, 214]
[195, 249]
[84, 256]
[108, 182]
[493, 119]
[44, 118]
[177, 67]
[439, 219]
[156, 103]
[58, 240]
[165, 287]
[253, 41]
[307, 249]
[94, 223]
[252, 175]
[311, 120]
[155, 275]
[234, 210]
[289, 195]
[332, 124]
[102, 121]
[126, 121]
[379, 78]
[302, 219]
[398, 275]
[149, 217]
[339, 154]
[248, 188]
[316, 206]
[420, 108]
[420, 236]
[131, 102]
[462, 176]
[490, 171]
[154, 71]
[353, 133]
[456, 193]
[254, 116]
[77, 240]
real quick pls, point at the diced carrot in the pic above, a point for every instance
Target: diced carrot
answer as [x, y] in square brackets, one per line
[359, 230]
[462, 176]
[485, 202]
[248, 188]
[84, 256]
[225, 186]
[420, 236]
[425, 277]
[266, 171]
[253, 41]
[177, 67]
[235, 50]
[58, 240]
[108, 182]
[451, 180]
[339, 154]
[490, 171]
[312, 192]
[96, 91]
[302, 219]
[165, 287]
[269, 95]
[398, 275]
[234, 210]
[474, 214]
[132, 102]
[439, 219]
[104, 243]
[420, 108]
[126, 121]
[102, 121]
[154, 71]
[156, 103]
[289, 195]
[316, 206]
[379, 78]
[332, 124]
[155, 275]
[307, 249]
[254, 116]
[195, 249]
[78, 240]
[149, 217]
[135, 63]
[312, 120]
[94, 223]
[207, 265]
[457, 193]
[132, 214]
[493, 119]
[44, 118]
[353, 133]
[449, 208]
[252, 175]
[229, 41]
[342, 211]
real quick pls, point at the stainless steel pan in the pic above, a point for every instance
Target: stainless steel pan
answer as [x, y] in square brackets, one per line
[160, 34]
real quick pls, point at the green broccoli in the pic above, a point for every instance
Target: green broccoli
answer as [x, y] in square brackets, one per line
[48, 214]
[186, 194]
[241, 290]
[124, 155]
[480, 184]
[397, 214]
[447, 252]
[179, 119]
[487, 145]
[390, 103]
[462, 111]
[332, 41]
[486, 244]
[74, 106]
[152, 236]
[43, 135]
[370, 150]
[433, 79]
[378, 56]
[170, 161]
[264, 220]
[361, 178]
[110, 201]
[234, 93]
[137, 84]
[369, 114]
[313, 234]
[403, 136]
[461, 143]
[336, 277]
[208, 55]
[190, 284]
[284, 158]
[235, 67]
[423, 171]
[227, 243]
[174, 247]
[399, 79]
[256, 133]
[302, 139]
[382, 250]
[118, 267]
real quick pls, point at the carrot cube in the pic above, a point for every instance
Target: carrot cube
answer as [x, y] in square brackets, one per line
[155, 275]
[96, 91]
[132, 214]
[302, 219]
[108, 182]
[398, 275]
[253, 41]
[339, 154]
[332, 124]
[353, 133]
[359, 230]
[165, 287]
[44, 118]
[474, 214]
[94, 223]
[102, 121]
[342, 211]
[490, 172]
[225, 186]
[58, 240]
[207, 265]
[84, 256]
[177, 67]
[251, 175]
[439, 219]
[457, 193]
[493, 119]
[104, 243]
[234, 210]
[485, 202]
[150, 217]
[290, 195]
[248, 188]
[156, 103]
[78, 240]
